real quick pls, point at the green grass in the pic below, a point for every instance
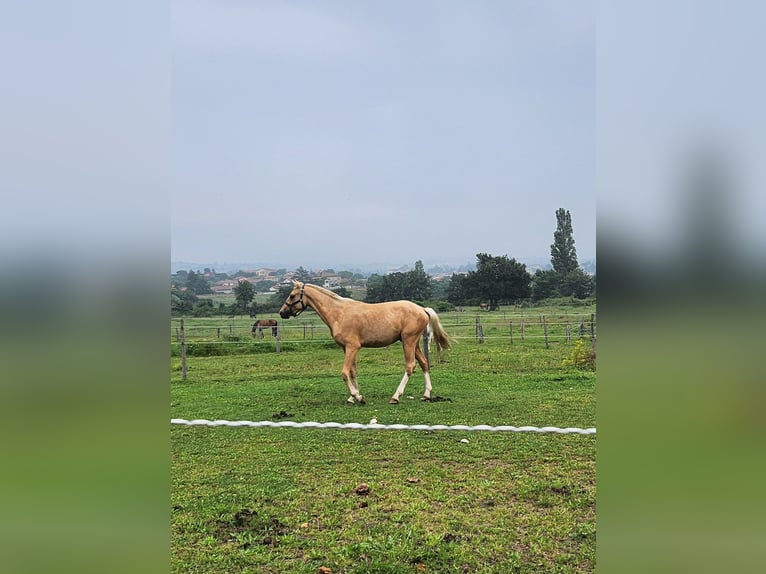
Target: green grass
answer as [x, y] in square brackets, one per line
[284, 500]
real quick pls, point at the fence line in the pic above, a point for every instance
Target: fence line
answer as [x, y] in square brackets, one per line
[376, 426]
[479, 336]
[329, 340]
[588, 323]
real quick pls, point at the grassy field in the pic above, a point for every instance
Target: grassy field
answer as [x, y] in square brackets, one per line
[290, 500]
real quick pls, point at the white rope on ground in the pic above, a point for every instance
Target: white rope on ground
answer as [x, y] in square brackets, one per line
[375, 426]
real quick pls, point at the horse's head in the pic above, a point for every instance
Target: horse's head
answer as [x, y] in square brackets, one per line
[294, 304]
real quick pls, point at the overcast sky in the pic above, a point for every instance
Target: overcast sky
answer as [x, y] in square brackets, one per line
[334, 133]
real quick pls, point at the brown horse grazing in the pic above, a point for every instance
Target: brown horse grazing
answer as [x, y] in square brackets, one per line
[354, 324]
[260, 324]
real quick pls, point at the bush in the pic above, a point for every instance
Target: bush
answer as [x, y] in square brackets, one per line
[583, 356]
[440, 305]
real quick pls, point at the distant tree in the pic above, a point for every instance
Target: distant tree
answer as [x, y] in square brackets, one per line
[545, 284]
[196, 284]
[566, 279]
[439, 288]
[563, 253]
[498, 279]
[342, 291]
[549, 283]
[244, 294]
[263, 285]
[417, 283]
[302, 275]
[394, 286]
[375, 289]
[457, 290]
[413, 285]
[182, 302]
[577, 284]
[203, 308]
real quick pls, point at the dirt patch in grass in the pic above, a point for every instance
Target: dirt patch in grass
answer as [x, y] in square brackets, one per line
[438, 399]
[246, 527]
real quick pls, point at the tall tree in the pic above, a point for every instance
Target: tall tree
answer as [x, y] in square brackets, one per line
[563, 253]
[244, 293]
[418, 283]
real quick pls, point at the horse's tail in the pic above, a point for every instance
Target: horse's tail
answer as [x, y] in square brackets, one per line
[437, 331]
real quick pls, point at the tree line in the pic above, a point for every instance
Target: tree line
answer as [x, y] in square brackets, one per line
[496, 281]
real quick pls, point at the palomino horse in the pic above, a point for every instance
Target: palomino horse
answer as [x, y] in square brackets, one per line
[260, 324]
[354, 324]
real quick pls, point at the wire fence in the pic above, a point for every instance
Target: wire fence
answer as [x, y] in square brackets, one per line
[207, 337]
[548, 328]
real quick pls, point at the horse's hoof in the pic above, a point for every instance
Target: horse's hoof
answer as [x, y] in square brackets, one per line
[350, 401]
[425, 399]
[393, 401]
[361, 400]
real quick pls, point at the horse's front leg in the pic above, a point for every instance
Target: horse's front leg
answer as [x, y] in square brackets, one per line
[349, 375]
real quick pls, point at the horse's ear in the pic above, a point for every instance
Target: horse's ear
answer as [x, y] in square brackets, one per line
[295, 283]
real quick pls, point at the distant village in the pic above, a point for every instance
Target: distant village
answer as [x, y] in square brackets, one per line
[268, 280]
[326, 278]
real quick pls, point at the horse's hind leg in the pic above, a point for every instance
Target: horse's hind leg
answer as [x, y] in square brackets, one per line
[349, 375]
[409, 366]
[423, 362]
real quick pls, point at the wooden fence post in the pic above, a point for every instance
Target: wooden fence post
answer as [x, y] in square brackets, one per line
[479, 331]
[183, 351]
[569, 333]
[279, 339]
[545, 330]
[522, 330]
[511, 332]
[592, 332]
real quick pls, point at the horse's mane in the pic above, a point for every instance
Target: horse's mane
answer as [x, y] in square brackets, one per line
[328, 292]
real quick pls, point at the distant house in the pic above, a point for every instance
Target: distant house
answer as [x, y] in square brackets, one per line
[224, 287]
[331, 282]
[261, 273]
